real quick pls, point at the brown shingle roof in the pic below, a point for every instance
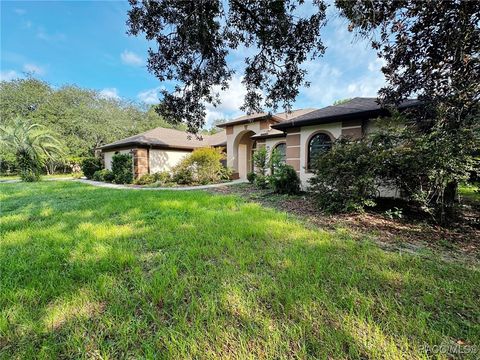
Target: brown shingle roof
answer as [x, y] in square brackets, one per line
[355, 108]
[279, 117]
[169, 138]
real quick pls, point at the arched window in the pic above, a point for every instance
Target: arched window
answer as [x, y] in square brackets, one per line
[282, 151]
[318, 144]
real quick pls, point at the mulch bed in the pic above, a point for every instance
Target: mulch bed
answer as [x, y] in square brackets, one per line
[460, 240]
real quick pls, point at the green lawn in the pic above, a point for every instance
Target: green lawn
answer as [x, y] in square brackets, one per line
[53, 176]
[87, 272]
[470, 192]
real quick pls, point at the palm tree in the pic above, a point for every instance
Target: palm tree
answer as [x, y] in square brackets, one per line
[32, 145]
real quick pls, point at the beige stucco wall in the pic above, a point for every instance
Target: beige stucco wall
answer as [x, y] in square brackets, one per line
[335, 129]
[109, 154]
[234, 157]
[165, 160]
[272, 142]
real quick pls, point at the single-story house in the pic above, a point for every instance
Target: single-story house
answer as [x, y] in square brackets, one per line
[298, 135]
[159, 149]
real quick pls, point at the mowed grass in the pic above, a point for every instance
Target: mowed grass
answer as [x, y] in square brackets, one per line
[470, 192]
[87, 272]
[45, 177]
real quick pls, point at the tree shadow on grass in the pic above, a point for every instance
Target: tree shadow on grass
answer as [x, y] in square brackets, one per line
[114, 273]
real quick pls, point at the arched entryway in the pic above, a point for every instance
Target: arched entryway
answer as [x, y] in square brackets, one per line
[243, 147]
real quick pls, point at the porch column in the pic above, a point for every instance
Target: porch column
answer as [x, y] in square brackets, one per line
[232, 161]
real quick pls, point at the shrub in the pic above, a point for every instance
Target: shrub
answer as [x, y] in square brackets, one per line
[103, 175]
[90, 166]
[395, 213]
[122, 168]
[260, 160]
[426, 166]
[251, 177]
[183, 174]
[285, 180]
[77, 174]
[226, 173]
[275, 161]
[262, 181]
[145, 179]
[162, 177]
[344, 177]
[202, 166]
[29, 176]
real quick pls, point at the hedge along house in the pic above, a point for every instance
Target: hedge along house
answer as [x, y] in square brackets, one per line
[301, 134]
[159, 149]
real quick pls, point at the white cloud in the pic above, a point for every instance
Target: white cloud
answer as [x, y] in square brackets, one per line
[149, 96]
[8, 75]
[110, 93]
[231, 101]
[130, 58]
[19, 11]
[376, 65]
[349, 68]
[42, 34]
[35, 69]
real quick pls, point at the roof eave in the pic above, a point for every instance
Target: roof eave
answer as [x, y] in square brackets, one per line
[248, 121]
[330, 119]
[149, 146]
[268, 136]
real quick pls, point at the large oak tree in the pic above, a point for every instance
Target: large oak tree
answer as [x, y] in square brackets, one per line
[431, 49]
[193, 38]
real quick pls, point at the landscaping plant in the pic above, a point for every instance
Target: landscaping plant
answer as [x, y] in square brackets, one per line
[33, 146]
[421, 165]
[260, 161]
[90, 165]
[275, 161]
[122, 168]
[162, 177]
[285, 180]
[145, 179]
[202, 166]
[103, 175]
[262, 181]
[344, 177]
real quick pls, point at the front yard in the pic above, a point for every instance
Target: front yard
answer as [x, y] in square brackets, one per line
[99, 273]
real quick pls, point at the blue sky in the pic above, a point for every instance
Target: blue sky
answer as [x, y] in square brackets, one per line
[85, 43]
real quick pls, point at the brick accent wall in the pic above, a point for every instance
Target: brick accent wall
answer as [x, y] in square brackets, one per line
[352, 129]
[354, 133]
[140, 162]
[293, 152]
[265, 124]
[293, 148]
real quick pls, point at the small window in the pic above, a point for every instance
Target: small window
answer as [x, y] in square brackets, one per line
[318, 144]
[282, 150]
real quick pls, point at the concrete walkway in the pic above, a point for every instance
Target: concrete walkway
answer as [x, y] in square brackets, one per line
[134, 187]
[137, 187]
